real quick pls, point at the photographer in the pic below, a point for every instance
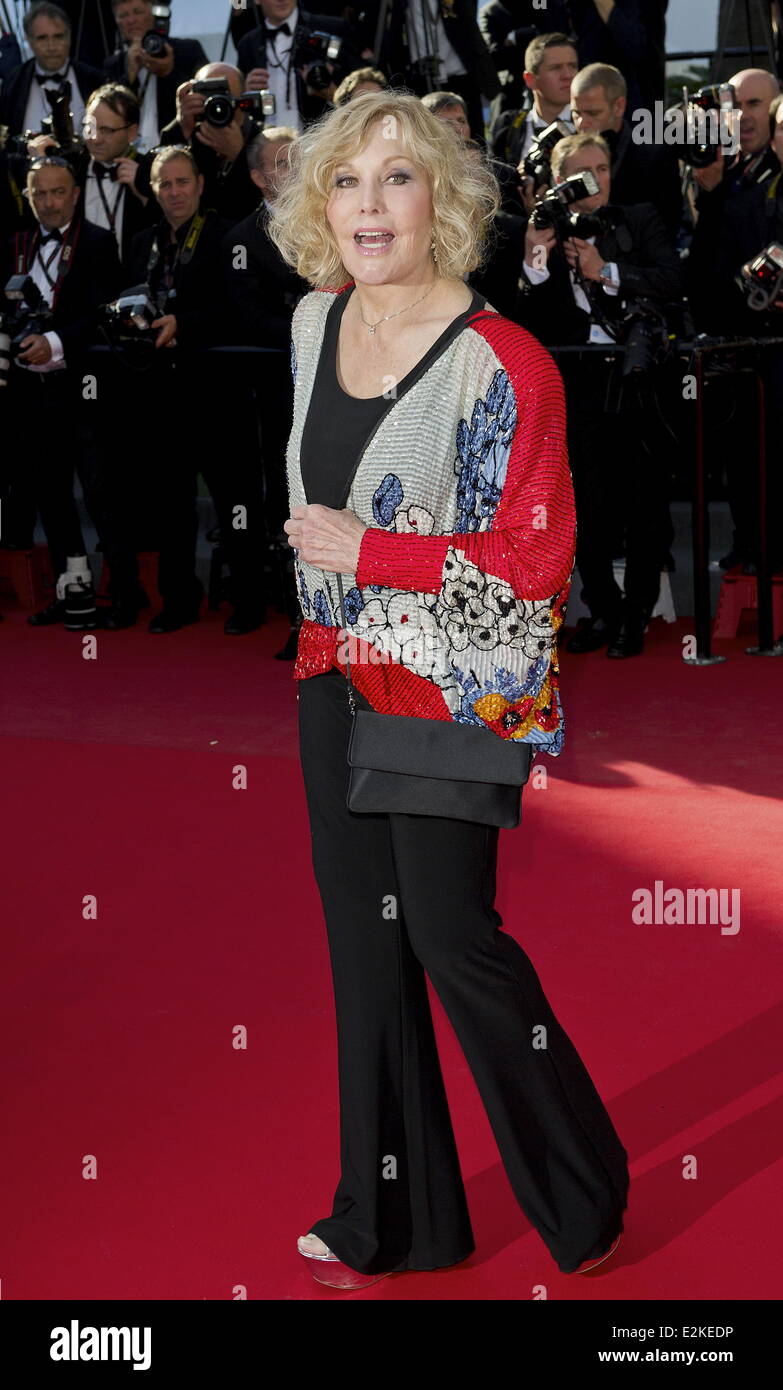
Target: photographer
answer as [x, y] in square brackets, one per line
[218, 149]
[507, 29]
[579, 287]
[274, 57]
[192, 392]
[427, 44]
[640, 173]
[750, 225]
[550, 67]
[724, 181]
[152, 64]
[262, 291]
[73, 267]
[23, 102]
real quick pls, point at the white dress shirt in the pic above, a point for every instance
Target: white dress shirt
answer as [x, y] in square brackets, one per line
[535, 124]
[278, 58]
[94, 209]
[540, 277]
[433, 39]
[149, 130]
[37, 105]
[57, 360]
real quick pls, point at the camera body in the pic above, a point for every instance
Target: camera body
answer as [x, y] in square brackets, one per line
[220, 107]
[155, 39]
[28, 313]
[718, 98]
[313, 48]
[761, 279]
[126, 322]
[537, 163]
[553, 209]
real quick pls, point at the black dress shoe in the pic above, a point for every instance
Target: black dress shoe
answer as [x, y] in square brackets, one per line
[292, 643]
[54, 612]
[170, 619]
[244, 620]
[119, 615]
[595, 633]
[629, 640]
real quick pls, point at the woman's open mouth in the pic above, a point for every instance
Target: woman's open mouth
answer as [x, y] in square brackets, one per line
[373, 243]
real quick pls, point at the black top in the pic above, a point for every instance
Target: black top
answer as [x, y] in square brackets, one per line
[339, 426]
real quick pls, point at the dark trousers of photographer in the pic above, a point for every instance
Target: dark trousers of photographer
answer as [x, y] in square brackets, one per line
[207, 427]
[68, 437]
[621, 490]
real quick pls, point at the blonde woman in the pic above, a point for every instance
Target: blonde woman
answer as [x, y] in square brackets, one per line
[427, 467]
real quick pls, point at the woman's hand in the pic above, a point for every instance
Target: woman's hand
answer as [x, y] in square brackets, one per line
[326, 538]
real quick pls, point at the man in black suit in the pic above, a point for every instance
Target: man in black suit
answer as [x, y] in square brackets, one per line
[580, 295]
[507, 27]
[154, 79]
[451, 38]
[267, 57]
[263, 291]
[114, 175]
[219, 151]
[23, 102]
[180, 260]
[641, 173]
[53, 384]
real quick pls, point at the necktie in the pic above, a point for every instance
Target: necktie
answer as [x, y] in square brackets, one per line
[105, 171]
[55, 235]
[58, 77]
[272, 33]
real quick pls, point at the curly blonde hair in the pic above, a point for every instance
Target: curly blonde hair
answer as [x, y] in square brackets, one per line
[464, 191]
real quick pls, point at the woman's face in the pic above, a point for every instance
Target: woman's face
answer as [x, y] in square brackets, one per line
[380, 212]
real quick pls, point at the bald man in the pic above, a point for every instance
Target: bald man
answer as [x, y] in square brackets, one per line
[219, 150]
[727, 178]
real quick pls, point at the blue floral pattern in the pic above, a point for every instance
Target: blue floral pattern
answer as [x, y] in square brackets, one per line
[482, 454]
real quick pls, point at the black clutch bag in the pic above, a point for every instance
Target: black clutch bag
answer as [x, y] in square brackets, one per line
[433, 767]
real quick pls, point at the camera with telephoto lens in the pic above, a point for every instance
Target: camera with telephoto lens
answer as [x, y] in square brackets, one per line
[761, 279]
[553, 209]
[27, 313]
[720, 99]
[312, 50]
[59, 124]
[155, 40]
[645, 333]
[220, 106]
[537, 163]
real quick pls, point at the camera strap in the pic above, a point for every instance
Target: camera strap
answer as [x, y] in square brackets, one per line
[185, 252]
[111, 213]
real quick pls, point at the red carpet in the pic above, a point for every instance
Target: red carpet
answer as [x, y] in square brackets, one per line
[210, 1159]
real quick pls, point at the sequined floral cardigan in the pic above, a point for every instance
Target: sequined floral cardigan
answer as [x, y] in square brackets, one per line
[464, 571]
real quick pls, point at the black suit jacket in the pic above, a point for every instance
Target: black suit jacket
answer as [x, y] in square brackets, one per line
[189, 56]
[749, 225]
[645, 174]
[649, 269]
[93, 278]
[228, 189]
[197, 304]
[713, 208]
[251, 53]
[262, 296]
[13, 100]
[462, 32]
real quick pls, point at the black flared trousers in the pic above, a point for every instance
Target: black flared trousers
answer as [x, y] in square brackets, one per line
[409, 895]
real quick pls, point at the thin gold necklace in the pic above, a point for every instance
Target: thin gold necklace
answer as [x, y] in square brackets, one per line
[371, 327]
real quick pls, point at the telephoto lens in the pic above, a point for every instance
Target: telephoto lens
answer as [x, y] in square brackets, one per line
[75, 588]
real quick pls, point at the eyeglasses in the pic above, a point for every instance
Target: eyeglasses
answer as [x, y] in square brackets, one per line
[103, 129]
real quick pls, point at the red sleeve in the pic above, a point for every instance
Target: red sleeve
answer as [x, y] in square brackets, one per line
[531, 543]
